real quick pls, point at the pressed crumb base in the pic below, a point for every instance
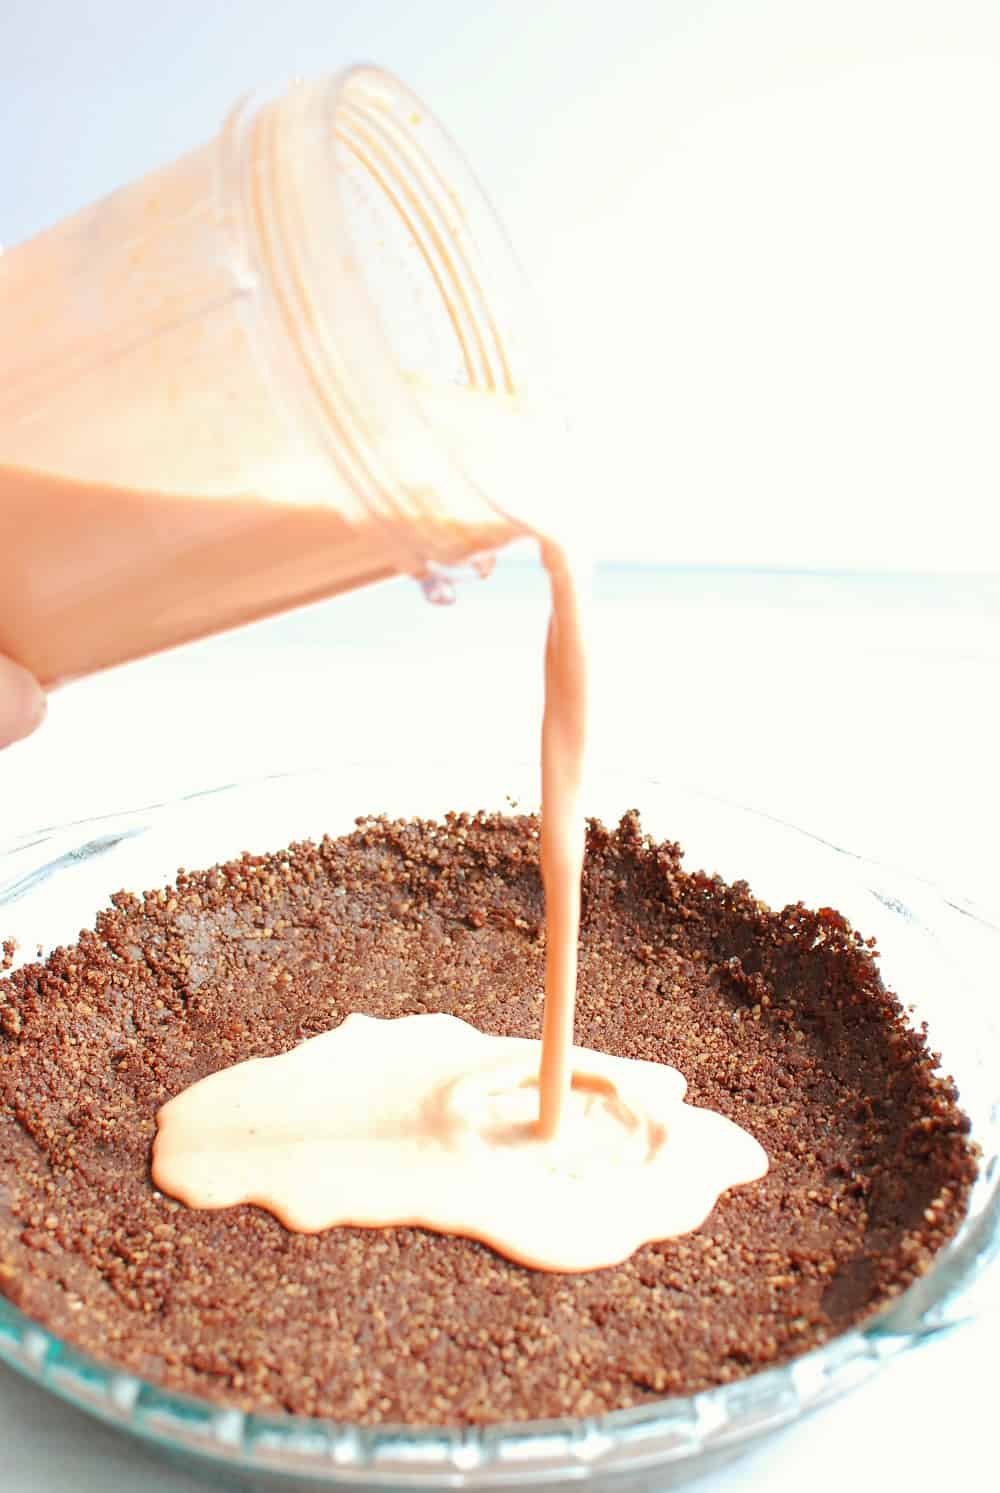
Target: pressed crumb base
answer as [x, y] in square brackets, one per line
[778, 1020]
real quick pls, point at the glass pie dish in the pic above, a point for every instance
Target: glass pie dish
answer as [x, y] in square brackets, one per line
[937, 953]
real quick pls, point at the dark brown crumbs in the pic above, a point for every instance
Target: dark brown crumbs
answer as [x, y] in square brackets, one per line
[779, 1020]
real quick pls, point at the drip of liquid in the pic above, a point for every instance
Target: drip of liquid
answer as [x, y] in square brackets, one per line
[563, 833]
[561, 1158]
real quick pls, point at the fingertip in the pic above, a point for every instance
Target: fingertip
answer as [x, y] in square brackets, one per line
[23, 704]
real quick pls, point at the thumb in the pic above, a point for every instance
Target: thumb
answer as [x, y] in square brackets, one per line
[22, 702]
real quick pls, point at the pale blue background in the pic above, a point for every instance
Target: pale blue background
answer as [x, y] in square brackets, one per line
[765, 235]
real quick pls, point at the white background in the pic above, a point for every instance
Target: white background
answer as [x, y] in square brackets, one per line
[765, 234]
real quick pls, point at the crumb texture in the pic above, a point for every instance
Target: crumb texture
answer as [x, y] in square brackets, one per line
[777, 1019]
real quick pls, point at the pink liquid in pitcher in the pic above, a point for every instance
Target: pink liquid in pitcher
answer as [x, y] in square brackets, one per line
[228, 388]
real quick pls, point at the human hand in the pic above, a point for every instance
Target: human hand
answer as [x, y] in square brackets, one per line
[22, 702]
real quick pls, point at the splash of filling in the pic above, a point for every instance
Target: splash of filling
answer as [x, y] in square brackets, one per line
[424, 1120]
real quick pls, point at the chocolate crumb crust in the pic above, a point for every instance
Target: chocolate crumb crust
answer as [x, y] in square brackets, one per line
[777, 1019]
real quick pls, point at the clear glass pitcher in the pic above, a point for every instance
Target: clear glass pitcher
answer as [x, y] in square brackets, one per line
[292, 362]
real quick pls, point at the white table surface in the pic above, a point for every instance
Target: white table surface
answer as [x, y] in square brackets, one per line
[883, 739]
